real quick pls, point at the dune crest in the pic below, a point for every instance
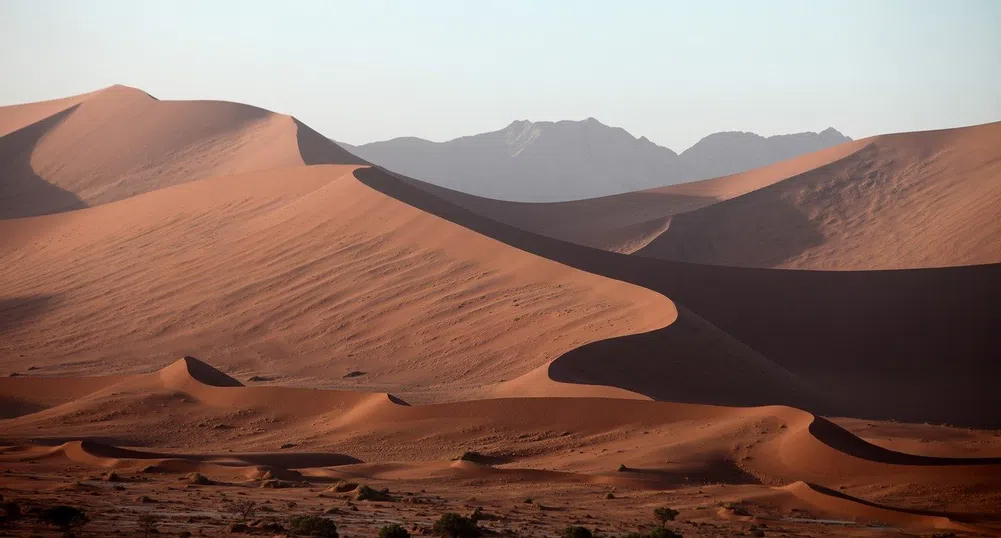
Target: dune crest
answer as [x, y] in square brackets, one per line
[190, 369]
[119, 142]
[307, 271]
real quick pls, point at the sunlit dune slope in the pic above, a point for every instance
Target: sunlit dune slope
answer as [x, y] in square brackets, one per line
[301, 273]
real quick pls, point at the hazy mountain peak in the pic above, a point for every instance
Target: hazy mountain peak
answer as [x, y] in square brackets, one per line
[570, 159]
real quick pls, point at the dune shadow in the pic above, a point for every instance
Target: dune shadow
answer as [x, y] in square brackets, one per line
[846, 442]
[918, 345]
[315, 148]
[23, 193]
[714, 471]
[771, 229]
[689, 361]
[705, 236]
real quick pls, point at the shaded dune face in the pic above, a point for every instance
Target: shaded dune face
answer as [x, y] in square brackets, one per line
[868, 343]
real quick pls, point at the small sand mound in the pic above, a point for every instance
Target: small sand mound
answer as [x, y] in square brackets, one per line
[190, 368]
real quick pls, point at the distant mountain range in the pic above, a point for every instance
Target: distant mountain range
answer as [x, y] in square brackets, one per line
[565, 160]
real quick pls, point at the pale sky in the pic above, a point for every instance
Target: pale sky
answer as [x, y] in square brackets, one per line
[671, 71]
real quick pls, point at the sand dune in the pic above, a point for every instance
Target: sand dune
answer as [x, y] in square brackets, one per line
[119, 142]
[662, 444]
[867, 343]
[451, 323]
[925, 199]
[628, 222]
[304, 273]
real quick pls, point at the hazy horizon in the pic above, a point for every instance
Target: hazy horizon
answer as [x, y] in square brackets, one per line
[365, 72]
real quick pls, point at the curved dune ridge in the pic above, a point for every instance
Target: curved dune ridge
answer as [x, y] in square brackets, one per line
[847, 343]
[305, 273]
[118, 142]
[669, 443]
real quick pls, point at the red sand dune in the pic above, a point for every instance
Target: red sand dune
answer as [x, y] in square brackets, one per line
[866, 343]
[119, 142]
[668, 443]
[301, 272]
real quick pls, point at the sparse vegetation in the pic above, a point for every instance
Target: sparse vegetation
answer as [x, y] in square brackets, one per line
[575, 531]
[244, 509]
[197, 478]
[663, 532]
[9, 511]
[147, 524]
[393, 531]
[452, 525]
[64, 517]
[622, 468]
[342, 486]
[313, 526]
[479, 515]
[469, 455]
[365, 493]
[665, 514]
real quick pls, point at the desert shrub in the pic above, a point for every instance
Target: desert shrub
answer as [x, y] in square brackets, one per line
[665, 514]
[659, 532]
[469, 455]
[575, 531]
[9, 511]
[393, 531]
[622, 468]
[147, 524]
[64, 517]
[342, 486]
[479, 515]
[365, 493]
[313, 526]
[453, 525]
[244, 509]
[197, 478]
